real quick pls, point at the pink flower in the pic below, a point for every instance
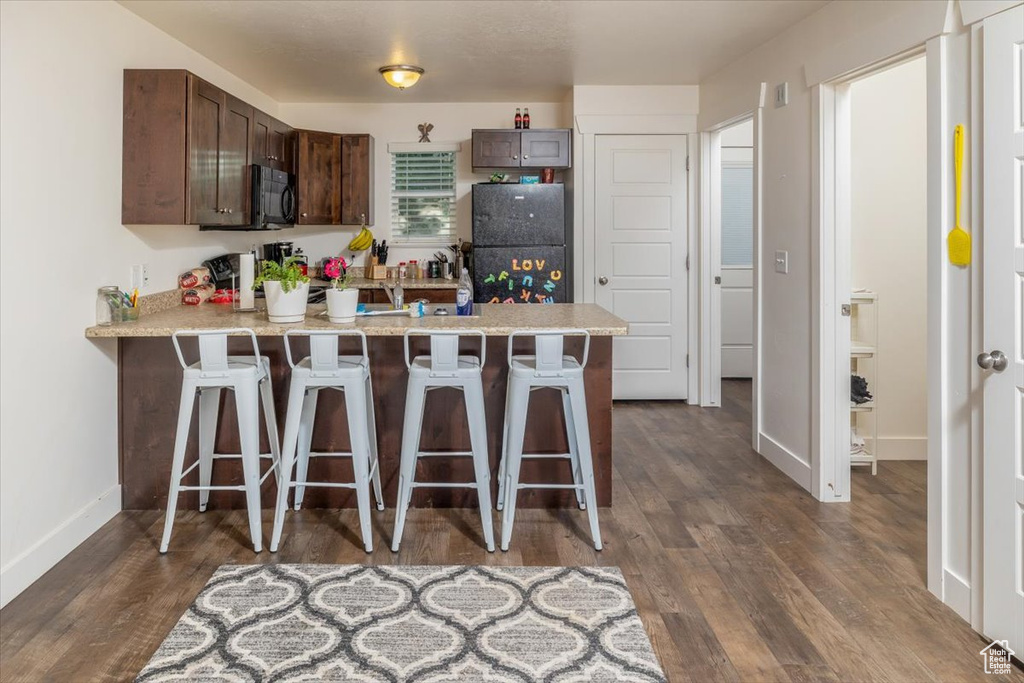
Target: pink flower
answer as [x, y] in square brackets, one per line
[333, 268]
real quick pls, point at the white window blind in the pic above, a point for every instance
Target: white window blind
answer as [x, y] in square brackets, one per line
[423, 193]
[737, 216]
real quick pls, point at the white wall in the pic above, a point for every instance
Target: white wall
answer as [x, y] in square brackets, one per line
[394, 122]
[889, 218]
[60, 238]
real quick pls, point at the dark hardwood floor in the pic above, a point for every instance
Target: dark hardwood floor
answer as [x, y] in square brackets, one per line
[738, 574]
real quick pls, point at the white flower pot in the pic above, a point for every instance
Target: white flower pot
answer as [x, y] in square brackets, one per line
[286, 307]
[341, 305]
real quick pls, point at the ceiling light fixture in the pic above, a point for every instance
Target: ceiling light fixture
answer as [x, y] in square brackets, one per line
[401, 76]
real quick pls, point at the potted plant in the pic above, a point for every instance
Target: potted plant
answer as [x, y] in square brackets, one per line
[341, 301]
[286, 288]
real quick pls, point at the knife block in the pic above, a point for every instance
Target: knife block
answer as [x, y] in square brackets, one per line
[377, 272]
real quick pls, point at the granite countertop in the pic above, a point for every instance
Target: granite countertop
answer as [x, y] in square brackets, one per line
[492, 319]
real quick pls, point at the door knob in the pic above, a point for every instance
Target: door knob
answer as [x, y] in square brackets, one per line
[996, 360]
[602, 280]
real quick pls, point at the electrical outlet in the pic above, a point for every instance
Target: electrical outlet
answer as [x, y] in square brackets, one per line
[782, 262]
[782, 95]
[140, 276]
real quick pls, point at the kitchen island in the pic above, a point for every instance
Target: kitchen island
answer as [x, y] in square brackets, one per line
[149, 385]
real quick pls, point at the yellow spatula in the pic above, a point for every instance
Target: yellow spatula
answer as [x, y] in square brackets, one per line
[959, 240]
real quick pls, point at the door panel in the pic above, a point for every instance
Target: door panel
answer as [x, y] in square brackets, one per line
[640, 248]
[546, 148]
[319, 178]
[496, 149]
[1003, 236]
[204, 122]
[236, 141]
[737, 322]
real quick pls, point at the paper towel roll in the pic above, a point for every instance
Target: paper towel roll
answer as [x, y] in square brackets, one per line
[247, 271]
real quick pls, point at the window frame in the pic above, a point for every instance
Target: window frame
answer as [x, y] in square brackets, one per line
[397, 218]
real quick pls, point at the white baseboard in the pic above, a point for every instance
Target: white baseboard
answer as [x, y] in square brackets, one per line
[791, 465]
[956, 594]
[23, 570]
[901, 447]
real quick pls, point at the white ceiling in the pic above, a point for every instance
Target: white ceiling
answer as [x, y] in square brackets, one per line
[472, 50]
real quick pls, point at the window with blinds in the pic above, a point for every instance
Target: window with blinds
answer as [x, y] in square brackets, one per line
[423, 195]
[737, 215]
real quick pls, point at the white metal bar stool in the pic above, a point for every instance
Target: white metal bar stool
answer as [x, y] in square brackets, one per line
[249, 378]
[548, 368]
[325, 369]
[444, 367]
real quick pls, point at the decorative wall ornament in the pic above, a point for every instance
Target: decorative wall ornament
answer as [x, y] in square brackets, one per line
[425, 129]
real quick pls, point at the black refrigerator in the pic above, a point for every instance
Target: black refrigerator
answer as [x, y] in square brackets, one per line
[520, 253]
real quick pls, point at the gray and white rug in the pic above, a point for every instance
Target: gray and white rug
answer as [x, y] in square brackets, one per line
[391, 623]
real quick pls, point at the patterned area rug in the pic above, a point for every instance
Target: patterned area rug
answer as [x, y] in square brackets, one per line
[391, 623]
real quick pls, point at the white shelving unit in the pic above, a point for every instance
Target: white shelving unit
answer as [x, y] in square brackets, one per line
[862, 350]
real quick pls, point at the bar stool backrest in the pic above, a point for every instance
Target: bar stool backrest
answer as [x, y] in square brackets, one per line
[213, 349]
[444, 349]
[323, 348]
[549, 349]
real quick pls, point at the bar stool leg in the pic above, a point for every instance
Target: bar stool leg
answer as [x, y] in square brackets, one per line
[574, 449]
[503, 463]
[296, 394]
[516, 409]
[414, 400]
[270, 415]
[209, 406]
[355, 405]
[305, 443]
[578, 400]
[474, 394]
[188, 397]
[371, 429]
[249, 433]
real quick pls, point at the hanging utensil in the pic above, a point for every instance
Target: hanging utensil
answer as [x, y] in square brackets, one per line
[959, 240]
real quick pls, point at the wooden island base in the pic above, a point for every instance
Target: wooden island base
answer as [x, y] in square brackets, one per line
[150, 387]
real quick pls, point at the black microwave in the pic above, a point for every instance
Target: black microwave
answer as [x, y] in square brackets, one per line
[273, 201]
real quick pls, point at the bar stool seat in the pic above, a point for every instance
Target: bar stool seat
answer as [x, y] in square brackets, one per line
[549, 368]
[323, 369]
[249, 378]
[444, 367]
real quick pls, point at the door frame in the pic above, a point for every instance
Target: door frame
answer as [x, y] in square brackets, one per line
[587, 127]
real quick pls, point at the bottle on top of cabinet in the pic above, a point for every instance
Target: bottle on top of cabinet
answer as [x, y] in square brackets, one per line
[519, 119]
[526, 118]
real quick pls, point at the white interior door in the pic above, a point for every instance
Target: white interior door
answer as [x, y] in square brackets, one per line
[1003, 511]
[737, 253]
[640, 259]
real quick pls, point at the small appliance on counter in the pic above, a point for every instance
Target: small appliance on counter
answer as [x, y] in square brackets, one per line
[278, 252]
[222, 270]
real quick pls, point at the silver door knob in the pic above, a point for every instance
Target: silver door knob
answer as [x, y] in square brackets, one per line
[602, 280]
[996, 360]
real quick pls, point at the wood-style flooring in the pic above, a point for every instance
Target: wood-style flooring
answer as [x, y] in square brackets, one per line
[738, 574]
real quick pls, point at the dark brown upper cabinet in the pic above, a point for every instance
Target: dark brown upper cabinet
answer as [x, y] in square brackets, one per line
[536, 148]
[273, 143]
[356, 179]
[186, 151]
[318, 178]
[496, 148]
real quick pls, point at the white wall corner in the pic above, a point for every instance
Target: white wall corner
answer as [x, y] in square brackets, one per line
[23, 570]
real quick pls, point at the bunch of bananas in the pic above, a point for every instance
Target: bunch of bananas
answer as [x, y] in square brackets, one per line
[362, 240]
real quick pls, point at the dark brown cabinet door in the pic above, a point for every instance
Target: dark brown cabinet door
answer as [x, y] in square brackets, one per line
[233, 177]
[545, 149]
[280, 146]
[260, 137]
[496, 148]
[206, 105]
[356, 179]
[318, 178]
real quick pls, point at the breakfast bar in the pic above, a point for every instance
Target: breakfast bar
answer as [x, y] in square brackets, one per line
[150, 380]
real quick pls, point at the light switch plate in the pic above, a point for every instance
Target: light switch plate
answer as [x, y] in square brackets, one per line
[140, 276]
[782, 94]
[782, 262]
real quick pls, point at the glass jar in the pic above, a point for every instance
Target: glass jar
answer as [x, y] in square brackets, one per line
[106, 298]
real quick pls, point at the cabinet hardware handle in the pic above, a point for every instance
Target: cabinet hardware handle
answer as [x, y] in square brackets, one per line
[229, 210]
[526, 156]
[515, 156]
[304, 214]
